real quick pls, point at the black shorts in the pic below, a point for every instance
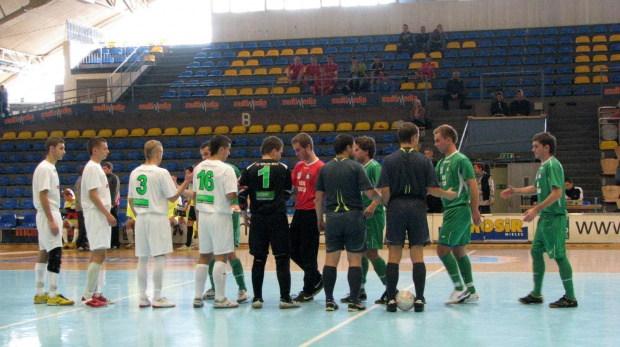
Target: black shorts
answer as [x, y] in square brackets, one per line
[407, 217]
[266, 229]
[345, 230]
[192, 213]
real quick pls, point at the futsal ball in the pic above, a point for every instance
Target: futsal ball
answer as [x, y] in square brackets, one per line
[404, 300]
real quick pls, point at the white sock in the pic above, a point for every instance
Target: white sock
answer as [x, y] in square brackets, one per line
[76, 234]
[100, 283]
[219, 279]
[158, 276]
[202, 271]
[129, 235]
[53, 278]
[65, 236]
[39, 275]
[92, 276]
[142, 275]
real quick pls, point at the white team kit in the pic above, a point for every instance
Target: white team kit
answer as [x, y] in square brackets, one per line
[99, 231]
[213, 179]
[46, 178]
[150, 187]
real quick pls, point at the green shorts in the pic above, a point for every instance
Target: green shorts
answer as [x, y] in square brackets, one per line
[374, 230]
[236, 227]
[550, 236]
[456, 228]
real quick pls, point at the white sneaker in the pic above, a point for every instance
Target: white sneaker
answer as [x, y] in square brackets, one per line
[198, 302]
[257, 303]
[209, 295]
[243, 296]
[472, 298]
[225, 303]
[458, 297]
[183, 248]
[289, 304]
[144, 302]
[162, 303]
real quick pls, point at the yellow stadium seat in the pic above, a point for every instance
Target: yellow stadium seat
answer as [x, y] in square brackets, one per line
[326, 127]
[230, 72]
[230, 92]
[277, 91]
[614, 38]
[111, 44]
[243, 54]
[9, 135]
[215, 92]
[237, 63]
[273, 53]
[396, 124]
[238, 129]
[273, 128]
[599, 48]
[153, 132]
[187, 131]
[599, 38]
[89, 133]
[157, 49]
[308, 128]
[582, 39]
[301, 51]
[256, 129]
[600, 79]
[41, 134]
[469, 44]
[345, 126]
[361, 126]
[436, 55]
[614, 57]
[390, 48]
[380, 126]
[261, 91]
[582, 59]
[582, 79]
[425, 85]
[419, 56]
[316, 50]
[121, 133]
[599, 68]
[286, 51]
[407, 86]
[258, 53]
[582, 69]
[599, 57]
[150, 58]
[582, 49]
[251, 62]
[171, 132]
[435, 64]
[137, 132]
[609, 144]
[292, 90]
[222, 129]
[260, 71]
[206, 130]
[291, 128]
[57, 133]
[282, 80]
[275, 71]
[245, 91]
[415, 65]
[453, 45]
[245, 72]
[105, 133]
[72, 134]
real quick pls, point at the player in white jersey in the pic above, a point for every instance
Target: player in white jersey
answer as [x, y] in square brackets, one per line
[96, 203]
[215, 186]
[46, 198]
[150, 189]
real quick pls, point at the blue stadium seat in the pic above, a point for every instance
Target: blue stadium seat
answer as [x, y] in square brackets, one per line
[547, 60]
[485, 44]
[583, 30]
[483, 53]
[12, 169]
[533, 41]
[581, 91]
[474, 84]
[169, 154]
[563, 81]
[464, 63]
[170, 94]
[501, 43]
[535, 32]
[82, 156]
[517, 42]
[239, 153]
[498, 52]
[455, 36]
[387, 138]
[549, 50]
[279, 43]
[565, 59]
[293, 43]
[266, 62]
[15, 158]
[366, 39]
[193, 65]
[215, 55]
[63, 168]
[361, 49]
[223, 64]
[135, 155]
[492, 84]
[200, 56]
[28, 169]
[119, 167]
[519, 32]
[528, 82]
[511, 82]
[562, 92]
[531, 61]
[548, 70]
[331, 50]
[614, 47]
[548, 41]
[466, 53]
[567, 31]
[448, 64]
[255, 153]
[615, 28]
[472, 35]
[22, 181]
[24, 146]
[513, 61]
[186, 74]
[208, 64]
[185, 94]
[387, 150]
[4, 192]
[487, 35]
[242, 141]
[381, 39]
[8, 220]
[337, 41]
[481, 62]
[191, 84]
[444, 73]
[615, 79]
[251, 45]
[551, 31]
[532, 50]
[186, 154]
[440, 84]
[199, 93]
[223, 46]
[502, 33]
[265, 44]
[376, 48]
[548, 81]
[451, 53]
[498, 62]
[341, 59]
[308, 42]
[26, 205]
[29, 219]
[212, 73]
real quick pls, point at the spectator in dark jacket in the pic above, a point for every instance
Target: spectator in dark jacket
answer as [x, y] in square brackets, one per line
[405, 41]
[520, 106]
[455, 89]
[437, 41]
[499, 107]
[421, 39]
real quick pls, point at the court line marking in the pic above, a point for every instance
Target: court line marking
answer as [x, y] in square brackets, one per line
[359, 315]
[19, 253]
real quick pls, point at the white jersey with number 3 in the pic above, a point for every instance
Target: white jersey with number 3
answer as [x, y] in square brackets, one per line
[150, 187]
[213, 179]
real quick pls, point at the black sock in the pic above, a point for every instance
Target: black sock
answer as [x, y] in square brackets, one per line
[283, 271]
[391, 274]
[419, 279]
[190, 234]
[329, 281]
[258, 275]
[355, 282]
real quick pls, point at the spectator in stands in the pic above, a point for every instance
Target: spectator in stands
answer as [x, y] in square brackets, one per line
[520, 106]
[427, 71]
[324, 84]
[499, 107]
[115, 195]
[355, 82]
[376, 70]
[295, 72]
[311, 71]
[405, 41]
[4, 101]
[418, 114]
[455, 89]
[384, 86]
[486, 188]
[572, 192]
[331, 68]
[437, 41]
[421, 40]
[360, 66]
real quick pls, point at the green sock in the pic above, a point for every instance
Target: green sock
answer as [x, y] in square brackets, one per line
[365, 266]
[566, 274]
[538, 269]
[237, 269]
[211, 273]
[468, 277]
[453, 270]
[379, 265]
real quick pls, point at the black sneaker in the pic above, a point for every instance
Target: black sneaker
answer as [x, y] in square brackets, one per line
[318, 287]
[362, 297]
[383, 299]
[391, 306]
[564, 302]
[531, 299]
[303, 297]
[356, 306]
[418, 304]
[331, 306]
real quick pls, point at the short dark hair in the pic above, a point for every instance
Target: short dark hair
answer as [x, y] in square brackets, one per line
[94, 142]
[480, 165]
[189, 168]
[108, 165]
[568, 180]
[366, 143]
[406, 131]
[52, 142]
[447, 131]
[341, 142]
[217, 142]
[204, 144]
[546, 139]
[271, 143]
[304, 140]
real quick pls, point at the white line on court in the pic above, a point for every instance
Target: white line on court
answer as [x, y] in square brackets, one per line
[19, 253]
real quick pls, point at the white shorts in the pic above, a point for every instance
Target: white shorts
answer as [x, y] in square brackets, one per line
[98, 229]
[47, 241]
[215, 232]
[153, 235]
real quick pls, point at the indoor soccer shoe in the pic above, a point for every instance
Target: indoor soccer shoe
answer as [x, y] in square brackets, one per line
[198, 302]
[41, 299]
[564, 302]
[458, 297]
[362, 297]
[331, 306]
[163, 303]
[94, 303]
[102, 298]
[391, 306]
[59, 300]
[318, 287]
[304, 297]
[209, 295]
[531, 299]
[242, 296]
[471, 298]
[290, 303]
[382, 300]
[257, 303]
[225, 303]
[418, 304]
[144, 302]
[356, 306]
